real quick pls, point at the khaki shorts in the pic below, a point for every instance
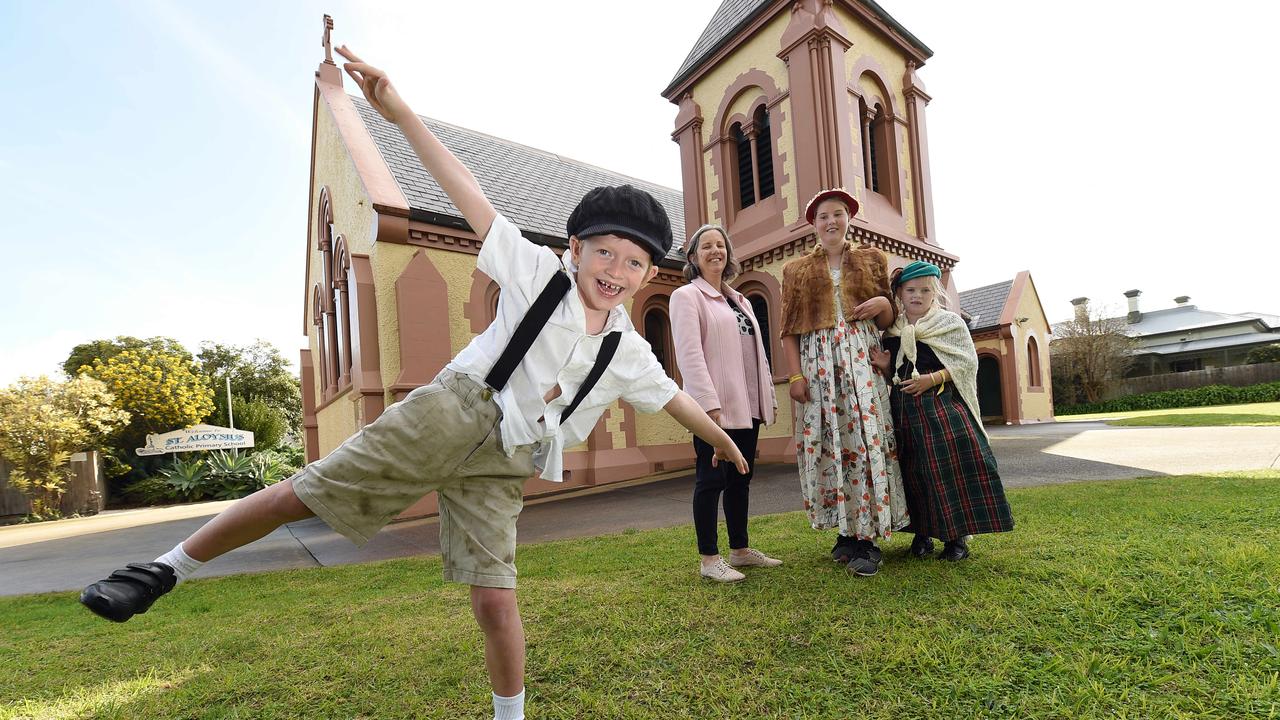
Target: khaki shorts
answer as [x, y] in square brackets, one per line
[444, 437]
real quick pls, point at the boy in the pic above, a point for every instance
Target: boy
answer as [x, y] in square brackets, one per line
[472, 439]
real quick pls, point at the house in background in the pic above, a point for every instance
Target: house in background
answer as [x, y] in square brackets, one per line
[1011, 334]
[1185, 338]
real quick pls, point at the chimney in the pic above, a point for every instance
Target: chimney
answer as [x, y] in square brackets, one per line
[1134, 314]
[1182, 300]
[1082, 309]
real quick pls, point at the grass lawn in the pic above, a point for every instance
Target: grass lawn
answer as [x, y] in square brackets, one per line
[1154, 598]
[1248, 414]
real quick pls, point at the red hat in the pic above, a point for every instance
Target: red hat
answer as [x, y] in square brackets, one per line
[835, 193]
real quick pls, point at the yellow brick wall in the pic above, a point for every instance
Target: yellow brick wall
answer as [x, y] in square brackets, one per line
[1036, 406]
[868, 42]
[760, 52]
[352, 218]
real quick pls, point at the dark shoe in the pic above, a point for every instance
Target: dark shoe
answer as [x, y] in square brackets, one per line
[843, 550]
[922, 546]
[129, 591]
[954, 550]
[866, 560]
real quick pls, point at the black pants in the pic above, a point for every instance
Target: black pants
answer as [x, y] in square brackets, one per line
[723, 478]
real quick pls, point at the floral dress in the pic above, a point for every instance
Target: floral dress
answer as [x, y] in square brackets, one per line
[845, 445]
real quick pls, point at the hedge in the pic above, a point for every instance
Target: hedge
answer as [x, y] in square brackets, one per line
[1190, 397]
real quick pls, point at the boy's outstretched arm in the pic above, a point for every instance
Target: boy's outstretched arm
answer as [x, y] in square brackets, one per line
[688, 413]
[454, 177]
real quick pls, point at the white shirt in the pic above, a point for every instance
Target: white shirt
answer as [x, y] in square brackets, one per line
[563, 354]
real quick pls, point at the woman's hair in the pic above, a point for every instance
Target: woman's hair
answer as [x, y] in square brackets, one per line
[939, 294]
[691, 269]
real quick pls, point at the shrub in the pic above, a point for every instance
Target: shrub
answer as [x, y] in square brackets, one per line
[1265, 354]
[186, 478]
[1190, 397]
[267, 424]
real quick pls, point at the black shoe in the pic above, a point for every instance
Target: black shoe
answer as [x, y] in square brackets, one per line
[954, 550]
[922, 546]
[843, 550]
[129, 591]
[866, 560]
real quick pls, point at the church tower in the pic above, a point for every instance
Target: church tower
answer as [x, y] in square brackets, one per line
[779, 100]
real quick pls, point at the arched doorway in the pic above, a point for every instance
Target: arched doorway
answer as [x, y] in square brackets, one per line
[990, 397]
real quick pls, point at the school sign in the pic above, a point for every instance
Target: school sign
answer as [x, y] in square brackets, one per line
[199, 437]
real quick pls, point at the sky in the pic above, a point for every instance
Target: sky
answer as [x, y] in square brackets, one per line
[154, 155]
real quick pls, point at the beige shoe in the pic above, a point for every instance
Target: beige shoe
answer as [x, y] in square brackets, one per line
[720, 572]
[754, 558]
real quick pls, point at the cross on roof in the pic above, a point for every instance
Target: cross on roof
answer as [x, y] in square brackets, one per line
[328, 47]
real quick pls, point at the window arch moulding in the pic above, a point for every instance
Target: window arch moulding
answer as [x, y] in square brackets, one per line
[764, 285]
[764, 215]
[891, 139]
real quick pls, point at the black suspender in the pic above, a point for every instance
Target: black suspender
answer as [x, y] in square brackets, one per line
[607, 348]
[527, 331]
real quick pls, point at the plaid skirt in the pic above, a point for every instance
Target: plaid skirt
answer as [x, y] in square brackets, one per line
[953, 488]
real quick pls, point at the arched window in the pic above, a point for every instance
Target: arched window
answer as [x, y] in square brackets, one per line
[764, 152]
[746, 181]
[342, 312]
[760, 307]
[328, 339]
[657, 331]
[876, 147]
[317, 320]
[753, 158]
[1033, 363]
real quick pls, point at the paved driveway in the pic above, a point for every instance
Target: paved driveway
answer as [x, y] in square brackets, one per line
[68, 554]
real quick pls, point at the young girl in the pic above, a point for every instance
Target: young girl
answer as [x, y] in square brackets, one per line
[952, 486]
[835, 301]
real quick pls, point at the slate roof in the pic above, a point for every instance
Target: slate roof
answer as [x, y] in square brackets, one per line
[984, 304]
[728, 18]
[533, 188]
[732, 15]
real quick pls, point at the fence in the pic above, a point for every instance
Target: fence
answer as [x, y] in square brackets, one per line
[1234, 376]
[86, 494]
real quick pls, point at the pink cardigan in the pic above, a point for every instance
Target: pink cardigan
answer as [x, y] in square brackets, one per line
[709, 353]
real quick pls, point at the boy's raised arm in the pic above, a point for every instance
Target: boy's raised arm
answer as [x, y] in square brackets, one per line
[454, 177]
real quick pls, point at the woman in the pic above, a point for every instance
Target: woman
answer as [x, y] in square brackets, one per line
[835, 301]
[720, 353]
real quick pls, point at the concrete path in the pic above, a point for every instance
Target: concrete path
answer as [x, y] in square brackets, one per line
[69, 554]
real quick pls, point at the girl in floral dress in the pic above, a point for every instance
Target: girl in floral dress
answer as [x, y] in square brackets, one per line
[835, 302]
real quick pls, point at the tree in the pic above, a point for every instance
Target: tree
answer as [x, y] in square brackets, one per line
[1090, 354]
[162, 391]
[265, 422]
[42, 422]
[1265, 354]
[259, 373]
[84, 354]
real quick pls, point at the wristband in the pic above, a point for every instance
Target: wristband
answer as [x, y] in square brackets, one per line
[795, 379]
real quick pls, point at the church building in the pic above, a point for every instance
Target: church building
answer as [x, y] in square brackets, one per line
[776, 101]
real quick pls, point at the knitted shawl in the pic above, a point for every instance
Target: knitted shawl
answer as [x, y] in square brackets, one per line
[948, 336]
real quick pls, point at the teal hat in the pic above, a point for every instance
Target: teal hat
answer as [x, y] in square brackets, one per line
[916, 269]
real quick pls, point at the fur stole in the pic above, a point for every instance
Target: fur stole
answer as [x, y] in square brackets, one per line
[808, 299]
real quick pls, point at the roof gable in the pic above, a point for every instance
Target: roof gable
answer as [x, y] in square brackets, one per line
[532, 188]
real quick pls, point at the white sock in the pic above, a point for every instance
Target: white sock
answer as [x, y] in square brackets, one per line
[508, 708]
[182, 563]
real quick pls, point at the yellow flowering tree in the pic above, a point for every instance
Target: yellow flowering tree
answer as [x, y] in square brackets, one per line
[161, 391]
[42, 422]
